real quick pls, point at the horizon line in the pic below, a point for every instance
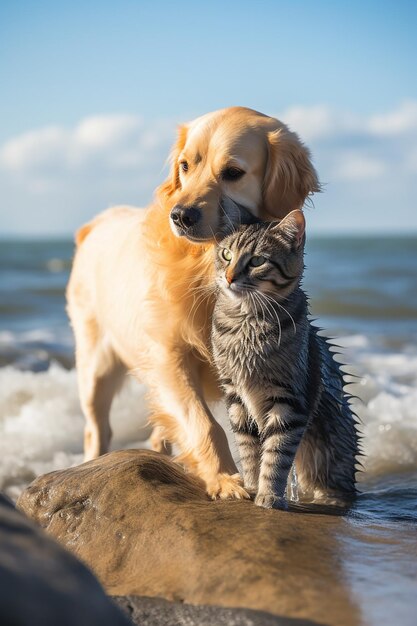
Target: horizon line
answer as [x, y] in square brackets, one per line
[389, 234]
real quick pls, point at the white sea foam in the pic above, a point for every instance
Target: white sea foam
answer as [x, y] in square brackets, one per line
[41, 425]
[387, 405]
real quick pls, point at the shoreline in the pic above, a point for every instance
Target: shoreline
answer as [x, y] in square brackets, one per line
[151, 531]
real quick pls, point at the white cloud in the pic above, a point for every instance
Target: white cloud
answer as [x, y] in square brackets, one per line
[319, 121]
[354, 166]
[56, 177]
[103, 130]
[398, 122]
[112, 141]
[38, 148]
[350, 147]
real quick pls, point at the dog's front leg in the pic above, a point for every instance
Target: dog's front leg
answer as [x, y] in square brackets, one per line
[180, 408]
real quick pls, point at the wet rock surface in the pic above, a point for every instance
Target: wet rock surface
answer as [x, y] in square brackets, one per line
[146, 528]
[41, 584]
[151, 611]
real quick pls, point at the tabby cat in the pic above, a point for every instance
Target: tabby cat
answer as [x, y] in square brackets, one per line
[283, 390]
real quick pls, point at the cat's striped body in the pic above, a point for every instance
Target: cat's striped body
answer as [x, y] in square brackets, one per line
[284, 391]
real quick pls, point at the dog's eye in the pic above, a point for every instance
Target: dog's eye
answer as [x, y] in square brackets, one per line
[257, 261]
[226, 254]
[184, 166]
[232, 173]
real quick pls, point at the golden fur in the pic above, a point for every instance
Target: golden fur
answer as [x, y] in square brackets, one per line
[139, 298]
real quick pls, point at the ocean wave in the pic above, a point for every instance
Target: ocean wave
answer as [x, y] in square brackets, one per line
[36, 349]
[385, 384]
[41, 424]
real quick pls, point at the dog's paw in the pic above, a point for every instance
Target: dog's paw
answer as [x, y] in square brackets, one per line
[269, 501]
[227, 487]
[158, 441]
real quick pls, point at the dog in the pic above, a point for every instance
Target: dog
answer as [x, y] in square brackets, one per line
[139, 298]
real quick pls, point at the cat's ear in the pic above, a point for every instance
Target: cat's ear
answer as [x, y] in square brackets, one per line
[294, 226]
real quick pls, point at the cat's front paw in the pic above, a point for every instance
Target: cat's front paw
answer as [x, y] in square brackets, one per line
[252, 491]
[226, 487]
[270, 501]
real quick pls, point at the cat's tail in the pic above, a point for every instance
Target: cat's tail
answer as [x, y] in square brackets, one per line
[328, 458]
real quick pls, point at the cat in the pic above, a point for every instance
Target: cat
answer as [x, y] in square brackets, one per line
[283, 389]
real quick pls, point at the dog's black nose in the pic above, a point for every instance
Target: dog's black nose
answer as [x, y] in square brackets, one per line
[185, 217]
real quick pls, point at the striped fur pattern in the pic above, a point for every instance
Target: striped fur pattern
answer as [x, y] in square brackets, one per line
[283, 389]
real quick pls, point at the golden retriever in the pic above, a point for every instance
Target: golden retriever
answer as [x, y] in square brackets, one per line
[138, 298]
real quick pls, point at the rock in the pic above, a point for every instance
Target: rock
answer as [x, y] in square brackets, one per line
[41, 584]
[151, 611]
[146, 528]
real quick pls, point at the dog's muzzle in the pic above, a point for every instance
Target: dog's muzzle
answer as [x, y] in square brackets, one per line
[185, 218]
[186, 221]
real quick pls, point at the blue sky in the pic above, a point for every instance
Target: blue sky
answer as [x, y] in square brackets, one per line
[91, 93]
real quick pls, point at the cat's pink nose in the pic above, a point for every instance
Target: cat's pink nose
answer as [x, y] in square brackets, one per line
[229, 277]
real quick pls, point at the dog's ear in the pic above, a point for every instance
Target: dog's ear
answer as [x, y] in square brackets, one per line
[290, 176]
[172, 183]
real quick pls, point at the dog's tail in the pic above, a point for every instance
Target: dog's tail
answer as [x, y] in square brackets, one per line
[83, 232]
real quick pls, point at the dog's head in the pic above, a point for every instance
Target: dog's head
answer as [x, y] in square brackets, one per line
[235, 166]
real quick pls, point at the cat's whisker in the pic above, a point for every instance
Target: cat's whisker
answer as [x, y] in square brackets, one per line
[255, 298]
[235, 227]
[199, 300]
[290, 316]
[214, 236]
[202, 289]
[273, 301]
[193, 311]
[274, 313]
[195, 280]
[276, 295]
[253, 305]
[266, 305]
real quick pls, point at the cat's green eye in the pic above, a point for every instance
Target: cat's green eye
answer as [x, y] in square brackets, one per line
[226, 254]
[257, 261]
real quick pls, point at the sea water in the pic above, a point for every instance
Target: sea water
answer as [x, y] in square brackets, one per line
[363, 292]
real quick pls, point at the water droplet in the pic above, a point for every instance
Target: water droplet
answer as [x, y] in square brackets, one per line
[293, 486]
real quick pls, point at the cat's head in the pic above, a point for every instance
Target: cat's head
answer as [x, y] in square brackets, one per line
[266, 258]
